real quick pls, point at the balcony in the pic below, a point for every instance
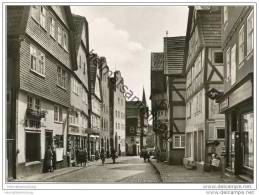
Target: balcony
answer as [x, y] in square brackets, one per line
[36, 113]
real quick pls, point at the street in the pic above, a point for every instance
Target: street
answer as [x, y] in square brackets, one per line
[126, 170]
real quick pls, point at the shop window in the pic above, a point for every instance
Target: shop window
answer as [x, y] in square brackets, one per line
[220, 133]
[32, 150]
[248, 139]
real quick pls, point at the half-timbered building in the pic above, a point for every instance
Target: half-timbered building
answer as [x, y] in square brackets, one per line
[237, 101]
[204, 71]
[159, 103]
[175, 89]
[40, 59]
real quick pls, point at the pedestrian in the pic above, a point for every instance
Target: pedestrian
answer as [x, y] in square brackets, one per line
[54, 158]
[113, 155]
[102, 155]
[48, 157]
[68, 157]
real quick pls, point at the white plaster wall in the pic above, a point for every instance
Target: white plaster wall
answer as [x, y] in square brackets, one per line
[47, 124]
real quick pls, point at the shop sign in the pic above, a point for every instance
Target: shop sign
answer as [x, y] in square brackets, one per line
[223, 105]
[241, 94]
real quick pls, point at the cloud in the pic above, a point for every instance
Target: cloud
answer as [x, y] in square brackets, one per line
[113, 43]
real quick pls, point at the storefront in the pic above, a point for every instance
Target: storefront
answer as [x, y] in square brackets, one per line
[237, 105]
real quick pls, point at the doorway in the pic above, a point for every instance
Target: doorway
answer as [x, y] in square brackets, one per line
[48, 139]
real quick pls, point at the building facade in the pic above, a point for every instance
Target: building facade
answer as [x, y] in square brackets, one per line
[205, 127]
[136, 126]
[237, 101]
[79, 110]
[159, 104]
[117, 113]
[174, 48]
[105, 117]
[40, 62]
[96, 106]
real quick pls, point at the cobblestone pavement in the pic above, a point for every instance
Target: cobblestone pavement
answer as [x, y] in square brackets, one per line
[126, 170]
[179, 174]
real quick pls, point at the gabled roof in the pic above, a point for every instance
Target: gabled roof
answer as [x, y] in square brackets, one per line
[174, 55]
[79, 22]
[157, 61]
[93, 71]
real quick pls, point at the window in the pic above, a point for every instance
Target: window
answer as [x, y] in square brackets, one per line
[41, 66]
[132, 139]
[32, 123]
[33, 53]
[37, 60]
[61, 77]
[179, 141]
[73, 118]
[59, 35]
[43, 17]
[217, 57]
[35, 12]
[221, 133]
[225, 16]
[52, 27]
[37, 104]
[131, 129]
[29, 102]
[33, 103]
[233, 64]
[250, 32]
[32, 148]
[58, 116]
[65, 40]
[84, 67]
[241, 45]
[228, 65]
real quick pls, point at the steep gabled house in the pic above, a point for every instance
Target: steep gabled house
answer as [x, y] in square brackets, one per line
[204, 73]
[175, 89]
[96, 105]
[117, 113]
[40, 60]
[105, 116]
[79, 111]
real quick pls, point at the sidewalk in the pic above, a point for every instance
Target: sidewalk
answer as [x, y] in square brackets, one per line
[179, 174]
[50, 175]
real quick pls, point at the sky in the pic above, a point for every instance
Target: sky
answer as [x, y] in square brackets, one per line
[126, 36]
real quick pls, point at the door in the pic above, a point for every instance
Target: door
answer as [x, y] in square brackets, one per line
[48, 139]
[247, 139]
